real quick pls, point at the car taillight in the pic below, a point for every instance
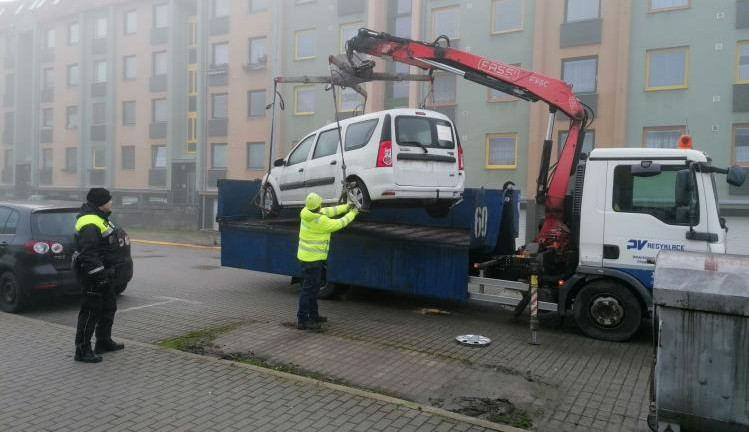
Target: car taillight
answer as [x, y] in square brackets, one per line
[460, 157]
[43, 247]
[385, 154]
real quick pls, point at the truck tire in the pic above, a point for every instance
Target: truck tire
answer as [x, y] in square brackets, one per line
[439, 210]
[605, 309]
[12, 295]
[331, 291]
[269, 202]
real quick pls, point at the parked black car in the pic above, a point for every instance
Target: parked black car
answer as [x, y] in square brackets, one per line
[37, 239]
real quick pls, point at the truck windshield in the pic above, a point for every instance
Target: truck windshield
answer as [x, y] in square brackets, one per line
[424, 132]
[53, 223]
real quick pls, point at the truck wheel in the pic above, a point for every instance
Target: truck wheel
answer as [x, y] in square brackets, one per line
[331, 291]
[607, 310]
[439, 210]
[269, 202]
[12, 296]
[361, 195]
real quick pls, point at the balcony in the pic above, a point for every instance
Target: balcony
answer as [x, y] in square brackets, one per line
[47, 55]
[99, 90]
[99, 46]
[351, 7]
[217, 127]
[97, 177]
[99, 132]
[47, 95]
[213, 175]
[159, 36]
[579, 33]
[158, 83]
[157, 177]
[45, 176]
[218, 26]
[262, 63]
[46, 135]
[218, 75]
[157, 130]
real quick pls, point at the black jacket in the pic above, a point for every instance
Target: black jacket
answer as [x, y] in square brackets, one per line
[102, 256]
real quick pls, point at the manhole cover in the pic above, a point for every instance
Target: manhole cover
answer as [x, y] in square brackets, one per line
[473, 340]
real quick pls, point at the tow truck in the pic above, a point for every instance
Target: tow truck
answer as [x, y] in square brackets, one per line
[606, 215]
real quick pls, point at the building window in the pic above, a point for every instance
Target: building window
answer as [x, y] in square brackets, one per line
[47, 158]
[220, 105]
[129, 68]
[99, 113]
[98, 158]
[444, 89]
[258, 53]
[159, 63]
[402, 14]
[158, 111]
[74, 30]
[221, 8]
[347, 31]
[662, 137]
[49, 39]
[258, 5]
[73, 77]
[100, 28]
[130, 22]
[582, 10]
[71, 117]
[581, 73]
[161, 16]
[48, 118]
[48, 78]
[507, 16]
[399, 89]
[255, 155]
[741, 144]
[256, 103]
[666, 69]
[501, 151]
[348, 100]
[304, 44]
[446, 21]
[192, 133]
[192, 32]
[666, 5]
[128, 113]
[100, 71]
[192, 82]
[221, 53]
[158, 156]
[742, 63]
[71, 159]
[304, 100]
[589, 142]
[218, 156]
[128, 157]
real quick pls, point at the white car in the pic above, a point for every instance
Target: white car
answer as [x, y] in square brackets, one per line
[397, 157]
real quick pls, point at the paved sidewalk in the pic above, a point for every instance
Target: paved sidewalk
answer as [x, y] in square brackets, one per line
[146, 388]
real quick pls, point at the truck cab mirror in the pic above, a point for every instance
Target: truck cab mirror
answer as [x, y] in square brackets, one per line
[646, 169]
[279, 162]
[736, 176]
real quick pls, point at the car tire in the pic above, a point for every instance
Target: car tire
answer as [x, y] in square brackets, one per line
[439, 210]
[12, 296]
[607, 310]
[269, 202]
[360, 192]
[332, 291]
[120, 289]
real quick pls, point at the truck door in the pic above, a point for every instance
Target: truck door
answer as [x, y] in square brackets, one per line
[323, 171]
[291, 178]
[650, 206]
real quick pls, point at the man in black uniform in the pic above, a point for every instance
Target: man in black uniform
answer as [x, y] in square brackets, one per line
[99, 250]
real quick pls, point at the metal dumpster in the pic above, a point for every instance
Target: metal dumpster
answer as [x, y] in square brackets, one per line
[702, 325]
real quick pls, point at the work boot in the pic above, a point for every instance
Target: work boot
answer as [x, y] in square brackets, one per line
[84, 354]
[308, 325]
[319, 319]
[107, 345]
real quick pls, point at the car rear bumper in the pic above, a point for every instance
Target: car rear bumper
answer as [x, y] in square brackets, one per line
[45, 279]
[379, 183]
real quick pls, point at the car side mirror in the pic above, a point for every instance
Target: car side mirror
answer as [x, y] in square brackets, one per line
[279, 163]
[736, 176]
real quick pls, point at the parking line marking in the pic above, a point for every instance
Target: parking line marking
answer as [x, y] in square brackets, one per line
[166, 243]
[180, 300]
[145, 306]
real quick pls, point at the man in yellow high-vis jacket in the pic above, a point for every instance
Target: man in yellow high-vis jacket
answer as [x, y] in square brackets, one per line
[316, 225]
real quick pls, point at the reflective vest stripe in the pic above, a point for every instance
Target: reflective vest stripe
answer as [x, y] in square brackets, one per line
[96, 270]
[310, 250]
[91, 219]
[319, 242]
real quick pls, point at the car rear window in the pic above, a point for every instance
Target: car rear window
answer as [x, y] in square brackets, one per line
[54, 223]
[428, 132]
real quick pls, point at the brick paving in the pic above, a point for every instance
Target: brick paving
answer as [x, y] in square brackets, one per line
[146, 388]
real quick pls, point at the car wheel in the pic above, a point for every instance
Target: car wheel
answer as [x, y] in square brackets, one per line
[269, 202]
[607, 310]
[331, 291]
[12, 295]
[120, 289]
[360, 195]
[438, 210]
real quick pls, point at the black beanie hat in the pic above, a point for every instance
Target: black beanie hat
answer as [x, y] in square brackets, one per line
[98, 196]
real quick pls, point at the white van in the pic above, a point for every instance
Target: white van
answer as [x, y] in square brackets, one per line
[397, 157]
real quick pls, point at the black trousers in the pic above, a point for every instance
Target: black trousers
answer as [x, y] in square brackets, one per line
[314, 279]
[98, 306]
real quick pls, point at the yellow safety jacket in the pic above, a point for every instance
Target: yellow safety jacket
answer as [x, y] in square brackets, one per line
[315, 230]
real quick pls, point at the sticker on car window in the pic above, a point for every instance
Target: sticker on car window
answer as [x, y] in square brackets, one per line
[444, 133]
